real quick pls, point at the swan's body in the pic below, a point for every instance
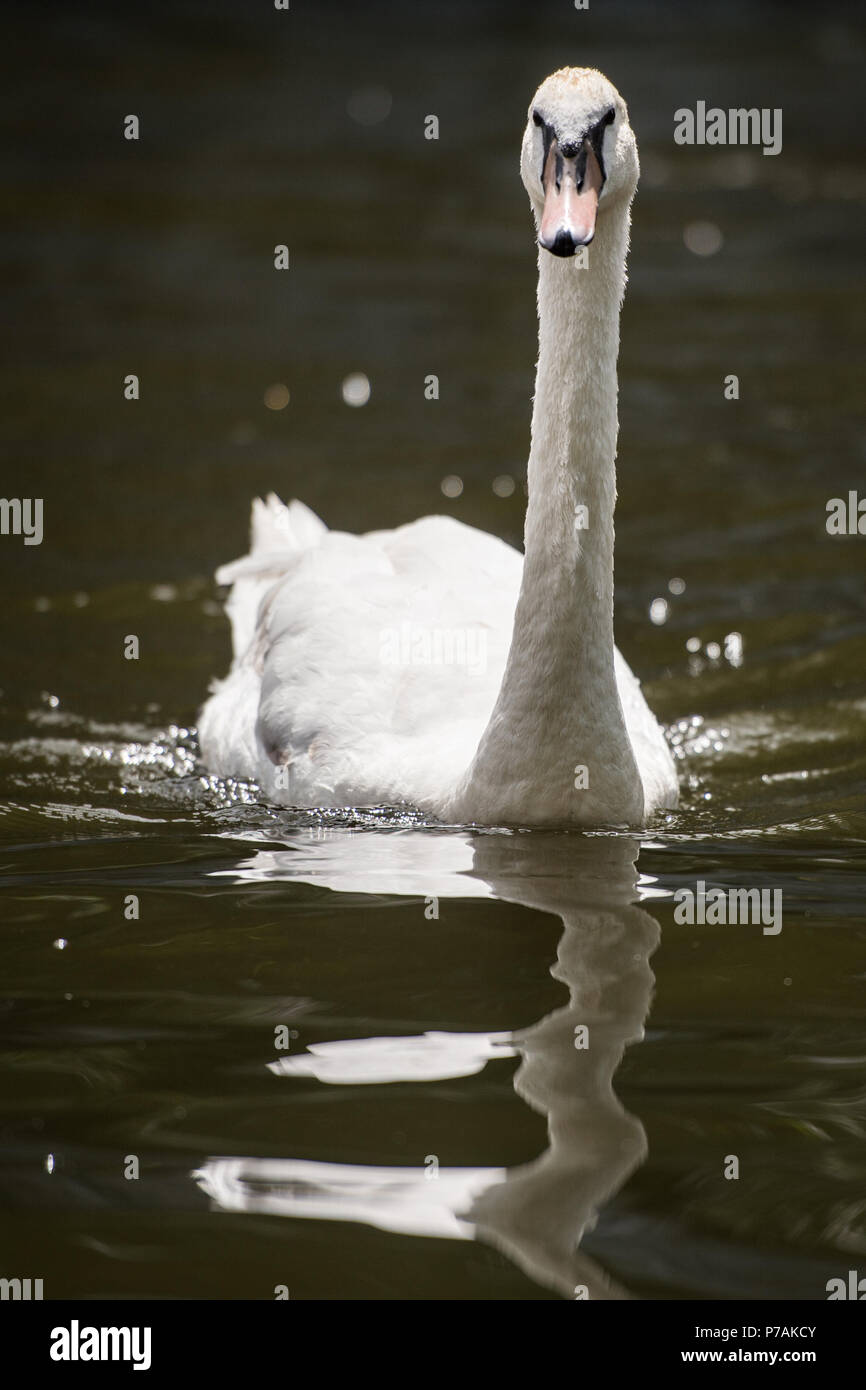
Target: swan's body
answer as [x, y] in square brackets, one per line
[433, 664]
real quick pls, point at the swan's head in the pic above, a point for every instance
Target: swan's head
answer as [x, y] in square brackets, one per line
[579, 154]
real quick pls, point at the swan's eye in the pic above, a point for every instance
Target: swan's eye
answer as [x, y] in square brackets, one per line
[537, 119]
[610, 116]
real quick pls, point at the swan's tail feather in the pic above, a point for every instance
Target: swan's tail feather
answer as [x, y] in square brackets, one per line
[274, 526]
[279, 534]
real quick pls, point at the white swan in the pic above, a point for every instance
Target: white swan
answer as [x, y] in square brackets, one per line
[432, 664]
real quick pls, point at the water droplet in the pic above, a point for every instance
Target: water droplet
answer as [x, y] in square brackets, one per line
[703, 238]
[452, 486]
[734, 648]
[370, 105]
[276, 397]
[356, 389]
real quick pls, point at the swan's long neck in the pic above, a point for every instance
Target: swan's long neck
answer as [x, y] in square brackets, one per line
[558, 708]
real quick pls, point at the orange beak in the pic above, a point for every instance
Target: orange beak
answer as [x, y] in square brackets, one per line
[571, 189]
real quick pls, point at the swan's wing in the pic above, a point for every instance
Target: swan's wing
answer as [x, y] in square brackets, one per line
[654, 759]
[371, 664]
[381, 659]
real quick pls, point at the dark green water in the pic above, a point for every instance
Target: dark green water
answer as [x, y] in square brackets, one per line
[155, 1036]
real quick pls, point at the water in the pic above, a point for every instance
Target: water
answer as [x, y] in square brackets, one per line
[430, 1129]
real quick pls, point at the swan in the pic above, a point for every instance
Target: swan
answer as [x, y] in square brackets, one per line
[433, 664]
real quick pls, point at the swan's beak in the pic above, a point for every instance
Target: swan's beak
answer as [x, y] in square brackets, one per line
[572, 183]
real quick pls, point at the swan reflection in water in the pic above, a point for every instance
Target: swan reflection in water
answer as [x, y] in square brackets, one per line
[537, 1212]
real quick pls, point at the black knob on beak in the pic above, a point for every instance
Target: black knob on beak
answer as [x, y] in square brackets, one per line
[564, 243]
